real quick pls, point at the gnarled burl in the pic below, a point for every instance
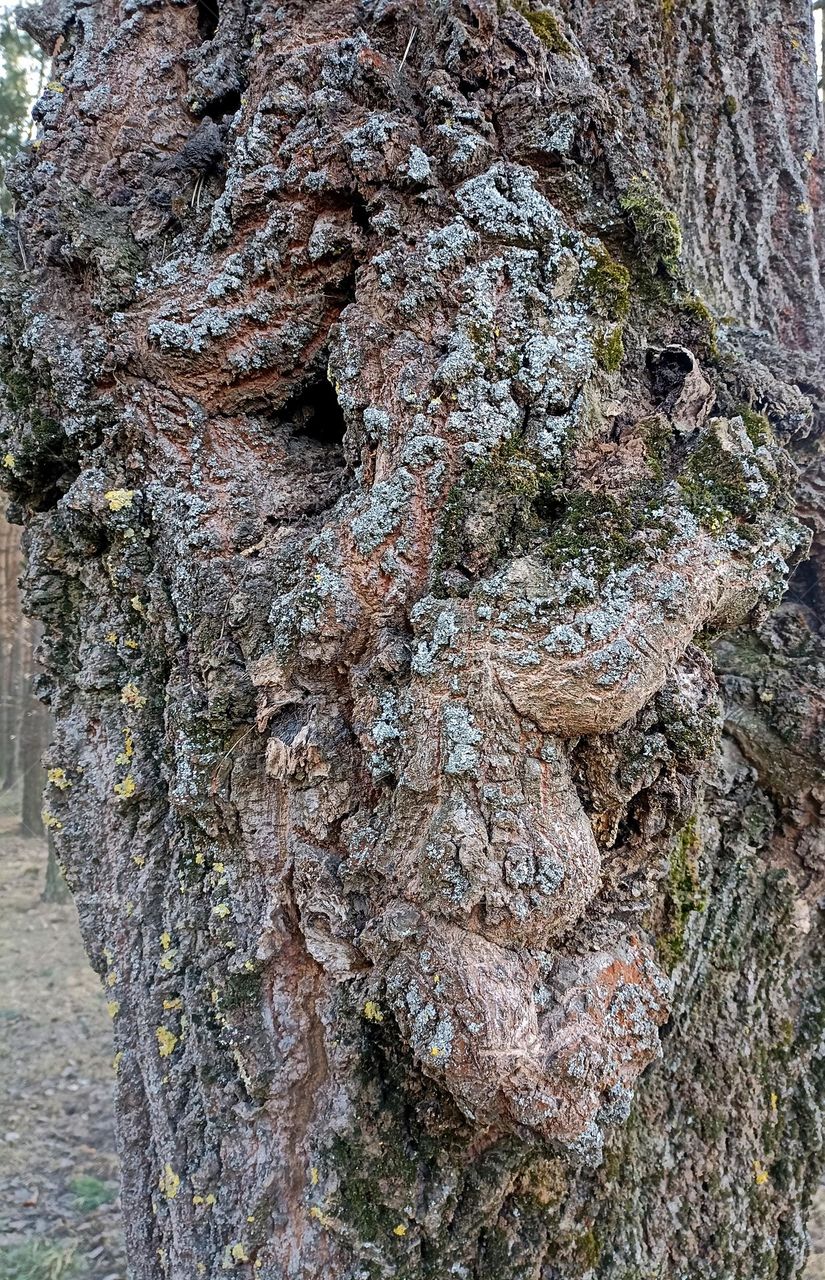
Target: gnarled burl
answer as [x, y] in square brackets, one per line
[401, 399]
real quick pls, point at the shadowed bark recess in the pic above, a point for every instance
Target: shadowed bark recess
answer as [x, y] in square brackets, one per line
[414, 410]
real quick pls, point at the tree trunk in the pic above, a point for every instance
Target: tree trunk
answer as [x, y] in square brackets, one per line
[55, 888]
[10, 675]
[34, 736]
[8, 536]
[407, 402]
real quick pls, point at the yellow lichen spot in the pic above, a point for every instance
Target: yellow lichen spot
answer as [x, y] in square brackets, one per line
[201, 1268]
[137, 604]
[111, 638]
[131, 696]
[313, 1175]
[198, 1201]
[50, 821]
[210, 1200]
[165, 940]
[436, 979]
[119, 499]
[116, 1061]
[56, 86]
[249, 966]
[233, 1254]
[199, 859]
[57, 777]
[125, 788]
[113, 1008]
[167, 961]
[803, 207]
[400, 1230]
[166, 1041]
[128, 751]
[169, 1182]
[130, 906]
[222, 910]
[774, 1103]
[213, 995]
[130, 643]
[139, 859]
[111, 978]
[434, 1051]
[8, 461]
[219, 867]
[177, 1003]
[372, 1011]
[760, 1173]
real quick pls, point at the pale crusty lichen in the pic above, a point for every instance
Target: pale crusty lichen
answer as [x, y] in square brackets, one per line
[169, 1182]
[119, 499]
[131, 696]
[167, 1041]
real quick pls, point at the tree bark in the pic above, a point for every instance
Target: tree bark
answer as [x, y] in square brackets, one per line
[414, 409]
[55, 888]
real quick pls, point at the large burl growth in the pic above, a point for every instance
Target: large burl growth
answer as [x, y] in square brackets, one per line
[402, 398]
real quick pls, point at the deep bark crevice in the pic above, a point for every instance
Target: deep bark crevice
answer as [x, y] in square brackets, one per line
[316, 414]
[208, 18]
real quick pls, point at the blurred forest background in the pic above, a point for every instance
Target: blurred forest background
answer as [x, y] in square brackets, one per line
[59, 1213]
[23, 721]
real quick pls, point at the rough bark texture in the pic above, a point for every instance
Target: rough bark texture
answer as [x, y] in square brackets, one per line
[407, 403]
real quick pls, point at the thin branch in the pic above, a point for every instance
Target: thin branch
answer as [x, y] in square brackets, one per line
[413, 34]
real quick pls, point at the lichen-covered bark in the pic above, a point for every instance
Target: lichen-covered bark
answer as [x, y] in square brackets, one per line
[412, 406]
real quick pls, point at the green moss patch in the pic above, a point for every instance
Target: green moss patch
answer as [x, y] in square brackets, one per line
[548, 28]
[656, 226]
[683, 895]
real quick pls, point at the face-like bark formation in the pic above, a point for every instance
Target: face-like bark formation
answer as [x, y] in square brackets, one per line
[380, 472]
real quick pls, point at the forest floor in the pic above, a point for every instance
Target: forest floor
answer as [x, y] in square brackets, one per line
[59, 1211]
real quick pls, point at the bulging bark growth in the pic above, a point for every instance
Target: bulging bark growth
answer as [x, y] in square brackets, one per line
[402, 400]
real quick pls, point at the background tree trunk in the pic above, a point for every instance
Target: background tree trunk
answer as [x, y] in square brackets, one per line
[11, 621]
[34, 736]
[24, 720]
[406, 403]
